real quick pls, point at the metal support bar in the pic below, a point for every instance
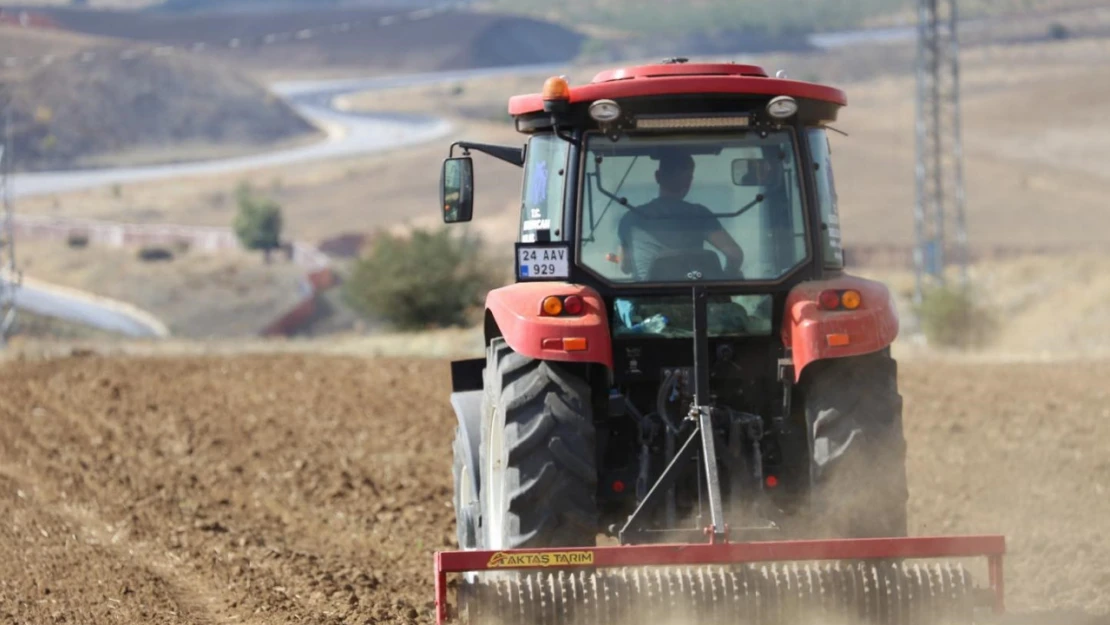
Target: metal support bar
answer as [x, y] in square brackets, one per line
[510, 154]
[671, 512]
[718, 528]
[635, 522]
[701, 348]
[703, 412]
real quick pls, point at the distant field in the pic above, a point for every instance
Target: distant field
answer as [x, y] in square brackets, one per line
[1028, 184]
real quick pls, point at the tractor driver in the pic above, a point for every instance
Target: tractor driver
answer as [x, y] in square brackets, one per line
[669, 223]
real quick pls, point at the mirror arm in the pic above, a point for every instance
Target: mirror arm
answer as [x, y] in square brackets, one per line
[565, 136]
[509, 154]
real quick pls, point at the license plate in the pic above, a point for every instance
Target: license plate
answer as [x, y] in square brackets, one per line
[542, 262]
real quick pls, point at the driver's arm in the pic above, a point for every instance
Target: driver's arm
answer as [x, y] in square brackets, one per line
[625, 250]
[626, 259]
[723, 241]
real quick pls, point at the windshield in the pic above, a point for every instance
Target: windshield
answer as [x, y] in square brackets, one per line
[684, 208]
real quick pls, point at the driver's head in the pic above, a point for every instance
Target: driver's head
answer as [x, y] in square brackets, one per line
[675, 173]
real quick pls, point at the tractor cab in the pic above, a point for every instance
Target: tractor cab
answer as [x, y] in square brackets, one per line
[652, 180]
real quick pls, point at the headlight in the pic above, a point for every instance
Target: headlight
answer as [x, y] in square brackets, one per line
[782, 107]
[605, 111]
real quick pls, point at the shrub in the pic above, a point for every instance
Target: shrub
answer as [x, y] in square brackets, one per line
[258, 223]
[429, 279]
[151, 253]
[951, 316]
[1058, 31]
[77, 240]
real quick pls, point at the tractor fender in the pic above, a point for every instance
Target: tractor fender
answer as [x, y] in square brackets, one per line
[807, 327]
[514, 312]
[468, 413]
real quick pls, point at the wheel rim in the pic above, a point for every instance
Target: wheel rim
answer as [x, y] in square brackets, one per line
[493, 517]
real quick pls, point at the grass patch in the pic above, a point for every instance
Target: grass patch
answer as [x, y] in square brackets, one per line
[953, 316]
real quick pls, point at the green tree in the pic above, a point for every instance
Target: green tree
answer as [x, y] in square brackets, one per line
[258, 223]
[428, 279]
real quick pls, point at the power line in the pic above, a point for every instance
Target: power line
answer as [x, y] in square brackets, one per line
[940, 197]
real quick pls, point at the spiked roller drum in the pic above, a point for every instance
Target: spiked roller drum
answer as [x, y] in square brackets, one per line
[785, 583]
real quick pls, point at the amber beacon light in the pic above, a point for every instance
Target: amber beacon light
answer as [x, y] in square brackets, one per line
[556, 94]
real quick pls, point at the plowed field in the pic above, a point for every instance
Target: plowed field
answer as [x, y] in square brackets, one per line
[310, 489]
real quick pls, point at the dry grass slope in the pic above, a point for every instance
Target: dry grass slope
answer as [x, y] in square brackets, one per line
[72, 111]
[378, 40]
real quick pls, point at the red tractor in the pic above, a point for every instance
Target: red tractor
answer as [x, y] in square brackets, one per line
[682, 355]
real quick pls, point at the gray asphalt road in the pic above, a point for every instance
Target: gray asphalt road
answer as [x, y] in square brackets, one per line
[77, 310]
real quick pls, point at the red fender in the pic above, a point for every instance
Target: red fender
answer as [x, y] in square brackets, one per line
[516, 311]
[806, 329]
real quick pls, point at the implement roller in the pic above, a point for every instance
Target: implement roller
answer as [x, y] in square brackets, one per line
[835, 582]
[683, 367]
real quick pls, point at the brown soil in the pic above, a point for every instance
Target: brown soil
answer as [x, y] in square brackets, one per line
[311, 489]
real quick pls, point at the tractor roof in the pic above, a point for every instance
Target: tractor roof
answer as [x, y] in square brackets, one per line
[683, 79]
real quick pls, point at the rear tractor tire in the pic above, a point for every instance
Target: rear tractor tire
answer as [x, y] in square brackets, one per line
[537, 454]
[857, 448]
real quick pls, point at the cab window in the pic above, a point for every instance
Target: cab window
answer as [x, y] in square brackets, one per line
[680, 208]
[826, 197]
[541, 207]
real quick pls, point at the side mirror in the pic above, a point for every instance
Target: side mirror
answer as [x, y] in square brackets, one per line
[750, 172]
[456, 193]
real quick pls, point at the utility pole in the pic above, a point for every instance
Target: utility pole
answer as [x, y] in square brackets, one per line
[940, 199]
[9, 277]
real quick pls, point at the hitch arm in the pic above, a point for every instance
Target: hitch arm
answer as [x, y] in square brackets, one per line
[702, 416]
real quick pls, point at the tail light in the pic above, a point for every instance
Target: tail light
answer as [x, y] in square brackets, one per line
[573, 305]
[562, 305]
[552, 306]
[848, 299]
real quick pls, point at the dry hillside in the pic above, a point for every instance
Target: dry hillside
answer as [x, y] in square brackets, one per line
[357, 39]
[70, 112]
